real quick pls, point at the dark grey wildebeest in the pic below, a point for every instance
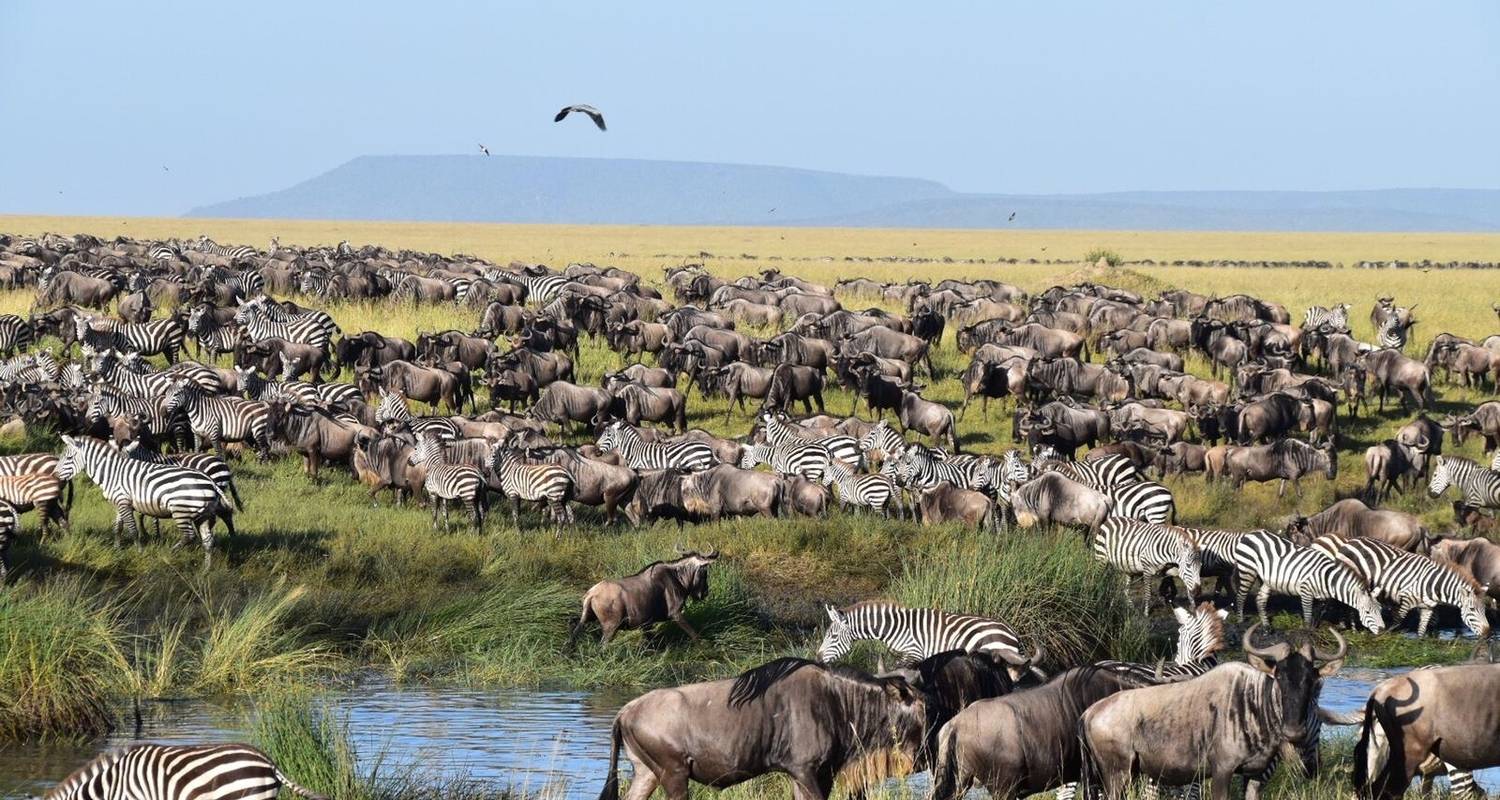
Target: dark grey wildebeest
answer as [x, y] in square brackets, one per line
[657, 593]
[887, 343]
[648, 404]
[935, 420]
[1392, 372]
[1056, 499]
[563, 402]
[1022, 743]
[1236, 719]
[1284, 460]
[790, 715]
[1450, 714]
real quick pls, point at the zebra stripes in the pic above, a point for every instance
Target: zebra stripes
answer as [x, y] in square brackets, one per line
[917, 469]
[215, 420]
[1415, 582]
[1134, 497]
[1336, 317]
[540, 483]
[882, 442]
[794, 458]
[1480, 487]
[863, 491]
[178, 772]
[1284, 568]
[841, 447]
[1146, 549]
[187, 496]
[238, 252]
[1393, 334]
[1200, 637]
[217, 339]
[540, 289]
[393, 408]
[16, 333]
[217, 469]
[158, 337]
[326, 395]
[917, 633]
[445, 481]
[9, 527]
[39, 490]
[262, 320]
[625, 440]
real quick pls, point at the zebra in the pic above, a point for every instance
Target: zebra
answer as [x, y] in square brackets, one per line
[1415, 582]
[30, 368]
[16, 334]
[328, 395]
[863, 491]
[1218, 555]
[158, 337]
[39, 490]
[882, 443]
[1284, 568]
[918, 633]
[445, 481]
[187, 496]
[1200, 637]
[540, 289]
[1335, 317]
[1480, 487]
[917, 469]
[1393, 333]
[547, 484]
[262, 320]
[168, 252]
[9, 526]
[215, 420]
[239, 252]
[217, 469]
[1097, 473]
[841, 447]
[1133, 495]
[1145, 549]
[807, 459]
[685, 455]
[393, 409]
[212, 336]
[178, 772]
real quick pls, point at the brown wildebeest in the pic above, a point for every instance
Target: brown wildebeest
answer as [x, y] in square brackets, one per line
[1284, 460]
[1353, 519]
[948, 503]
[1445, 712]
[1480, 557]
[1054, 498]
[657, 593]
[790, 715]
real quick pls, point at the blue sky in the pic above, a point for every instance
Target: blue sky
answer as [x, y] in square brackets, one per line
[237, 99]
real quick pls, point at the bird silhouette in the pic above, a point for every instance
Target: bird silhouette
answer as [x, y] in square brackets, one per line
[1012, 217]
[593, 113]
[484, 149]
[164, 168]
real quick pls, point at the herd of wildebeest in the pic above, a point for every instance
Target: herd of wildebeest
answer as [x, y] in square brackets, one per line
[101, 360]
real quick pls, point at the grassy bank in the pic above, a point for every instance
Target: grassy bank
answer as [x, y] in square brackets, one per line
[321, 585]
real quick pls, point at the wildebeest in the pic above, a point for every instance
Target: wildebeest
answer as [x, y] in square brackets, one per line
[1022, 743]
[791, 383]
[1270, 417]
[728, 490]
[1385, 466]
[647, 404]
[563, 402]
[1393, 372]
[1284, 460]
[1480, 557]
[595, 483]
[1062, 425]
[657, 593]
[1351, 519]
[948, 503]
[886, 343]
[1236, 719]
[790, 715]
[1056, 499]
[1446, 712]
[934, 420]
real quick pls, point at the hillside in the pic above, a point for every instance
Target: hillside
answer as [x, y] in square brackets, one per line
[526, 189]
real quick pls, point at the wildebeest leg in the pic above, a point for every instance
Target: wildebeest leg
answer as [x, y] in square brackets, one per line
[811, 787]
[643, 780]
[683, 624]
[674, 783]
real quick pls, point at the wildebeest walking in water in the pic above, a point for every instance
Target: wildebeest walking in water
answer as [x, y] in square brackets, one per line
[790, 715]
[655, 594]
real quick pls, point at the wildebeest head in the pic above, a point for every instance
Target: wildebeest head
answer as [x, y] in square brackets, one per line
[691, 568]
[1298, 672]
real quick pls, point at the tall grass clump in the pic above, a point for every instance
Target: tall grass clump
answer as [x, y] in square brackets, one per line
[60, 660]
[1046, 586]
[253, 647]
[1098, 254]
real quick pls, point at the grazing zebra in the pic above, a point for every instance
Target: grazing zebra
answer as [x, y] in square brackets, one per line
[209, 335]
[105, 402]
[1097, 473]
[1394, 333]
[178, 772]
[544, 484]
[625, 440]
[841, 447]
[165, 251]
[1146, 549]
[262, 320]
[1415, 582]
[917, 633]
[1480, 487]
[215, 420]
[1134, 497]
[39, 490]
[1285, 568]
[1200, 637]
[863, 491]
[159, 337]
[393, 409]
[795, 458]
[239, 252]
[187, 496]
[447, 481]
[1336, 317]
[29, 368]
[1218, 555]
[16, 333]
[9, 527]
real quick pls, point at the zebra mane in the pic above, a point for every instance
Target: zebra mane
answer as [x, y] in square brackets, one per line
[1188, 534]
[1459, 570]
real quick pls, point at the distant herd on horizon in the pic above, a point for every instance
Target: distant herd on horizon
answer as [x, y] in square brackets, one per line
[101, 363]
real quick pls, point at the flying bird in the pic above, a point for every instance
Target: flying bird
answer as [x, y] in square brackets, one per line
[593, 113]
[1012, 217]
[484, 149]
[164, 168]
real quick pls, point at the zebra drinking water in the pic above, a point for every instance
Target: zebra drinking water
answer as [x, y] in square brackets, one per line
[917, 633]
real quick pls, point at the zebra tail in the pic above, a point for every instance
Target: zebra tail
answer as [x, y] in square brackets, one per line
[234, 492]
[945, 766]
[296, 789]
[611, 790]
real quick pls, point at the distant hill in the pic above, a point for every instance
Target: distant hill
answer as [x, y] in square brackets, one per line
[621, 191]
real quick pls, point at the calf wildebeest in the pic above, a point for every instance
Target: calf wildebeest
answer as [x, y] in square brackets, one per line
[1236, 719]
[1284, 460]
[1022, 743]
[657, 593]
[1393, 372]
[1446, 713]
[1056, 499]
[790, 715]
[1180, 457]
[1353, 519]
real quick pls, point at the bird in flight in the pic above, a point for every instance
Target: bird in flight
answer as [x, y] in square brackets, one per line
[484, 149]
[164, 168]
[593, 113]
[1012, 217]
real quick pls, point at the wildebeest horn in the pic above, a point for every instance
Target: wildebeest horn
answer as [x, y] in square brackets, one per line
[1331, 717]
[713, 552]
[679, 550]
[1337, 656]
[1273, 653]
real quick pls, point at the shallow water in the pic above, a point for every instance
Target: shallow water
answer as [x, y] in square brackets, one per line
[529, 740]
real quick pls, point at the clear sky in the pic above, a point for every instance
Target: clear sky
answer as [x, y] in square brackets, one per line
[242, 98]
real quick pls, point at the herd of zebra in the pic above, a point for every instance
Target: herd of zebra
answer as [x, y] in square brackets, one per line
[155, 429]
